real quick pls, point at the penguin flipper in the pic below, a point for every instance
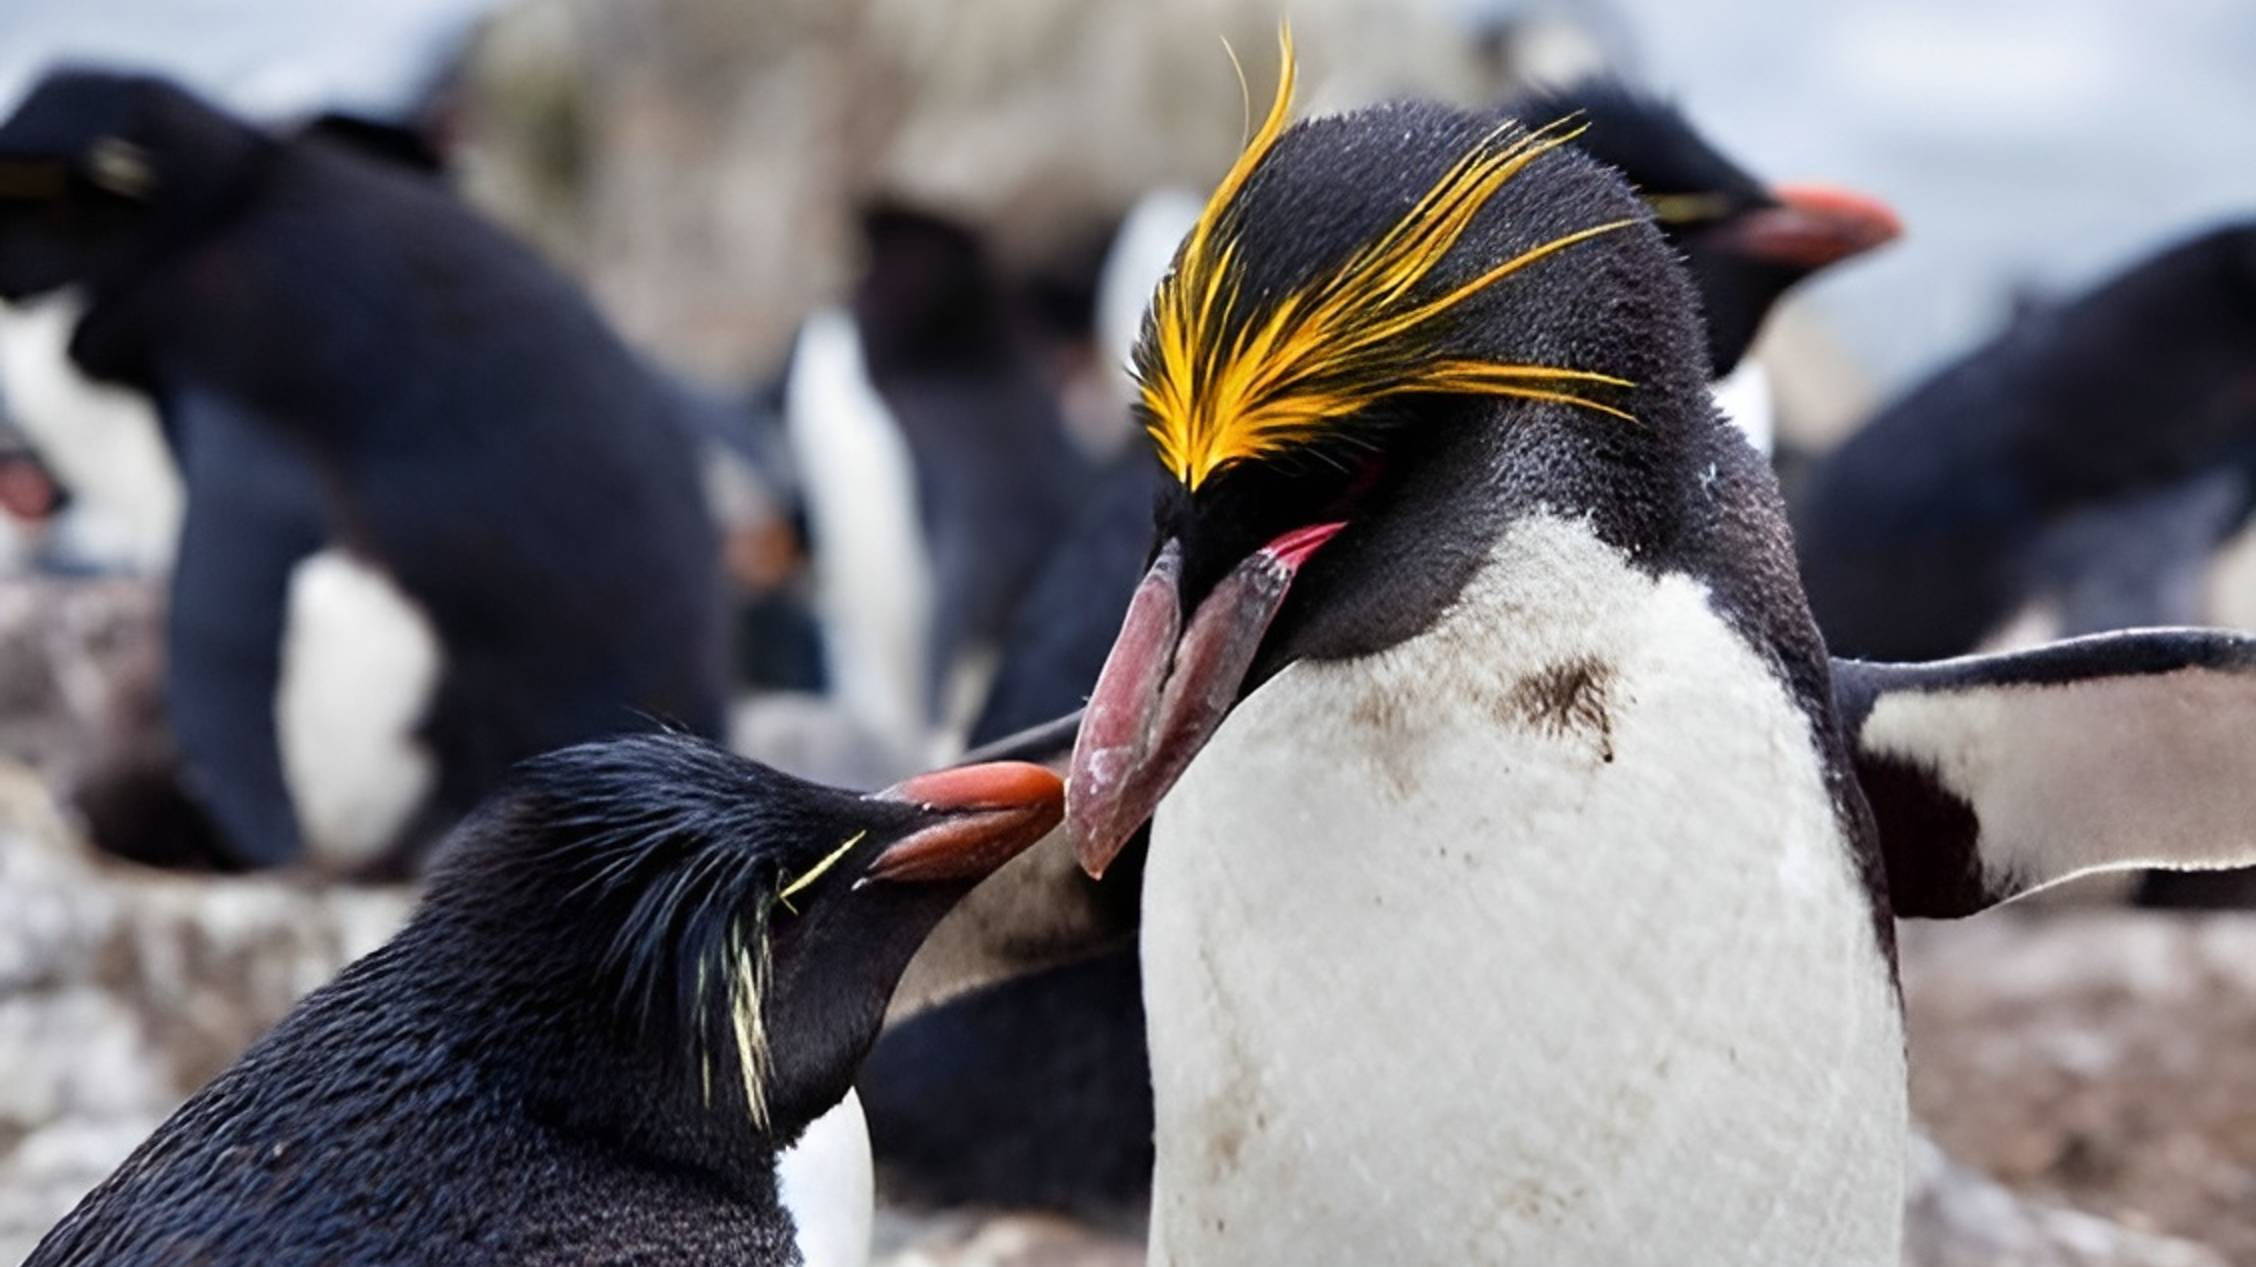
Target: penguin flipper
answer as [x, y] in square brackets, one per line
[1993, 776]
[255, 514]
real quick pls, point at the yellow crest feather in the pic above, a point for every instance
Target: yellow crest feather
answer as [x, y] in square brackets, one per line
[1219, 385]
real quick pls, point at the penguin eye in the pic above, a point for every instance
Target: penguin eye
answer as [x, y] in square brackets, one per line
[1688, 208]
[816, 872]
[120, 167]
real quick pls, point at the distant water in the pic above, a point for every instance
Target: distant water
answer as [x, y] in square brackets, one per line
[273, 59]
[2025, 142]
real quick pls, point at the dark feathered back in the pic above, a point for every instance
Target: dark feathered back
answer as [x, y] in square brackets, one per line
[544, 1067]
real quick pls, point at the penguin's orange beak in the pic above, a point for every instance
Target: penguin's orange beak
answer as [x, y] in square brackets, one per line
[1167, 686]
[990, 813]
[1812, 226]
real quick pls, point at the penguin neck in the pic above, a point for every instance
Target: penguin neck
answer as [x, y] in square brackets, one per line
[574, 1055]
[235, 165]
[1488, 941]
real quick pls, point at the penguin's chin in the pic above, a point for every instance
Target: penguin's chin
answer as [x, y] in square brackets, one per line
[1166, 687]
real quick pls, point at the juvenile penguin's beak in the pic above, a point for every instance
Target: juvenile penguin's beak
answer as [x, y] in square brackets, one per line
[991, 812]
[1812, 226]
[1166, 687]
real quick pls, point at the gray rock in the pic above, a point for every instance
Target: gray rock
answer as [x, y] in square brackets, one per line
[1957, 1217]
[123, 990]
[2099, 1060]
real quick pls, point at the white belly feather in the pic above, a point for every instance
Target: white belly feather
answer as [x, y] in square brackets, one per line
[873, 583]
[104, 442]
[360, 663]
[1532, 940]
[827, 1182]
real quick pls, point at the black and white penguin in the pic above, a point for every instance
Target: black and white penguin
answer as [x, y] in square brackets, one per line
[2091, 466]
[1514, 897]
[1745, 242]
[439, 517]
[105, 441]
[935, 470]
[621, 1027]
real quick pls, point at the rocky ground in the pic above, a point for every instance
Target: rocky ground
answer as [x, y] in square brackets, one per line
[123, 990]
[2102, 1059]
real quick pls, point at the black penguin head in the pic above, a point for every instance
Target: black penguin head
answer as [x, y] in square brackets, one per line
[1389, 333]
[669, 943]
[1746, 243]
[929, 296]
[98, 168]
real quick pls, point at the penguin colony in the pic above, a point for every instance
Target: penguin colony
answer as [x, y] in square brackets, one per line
[1515, 868]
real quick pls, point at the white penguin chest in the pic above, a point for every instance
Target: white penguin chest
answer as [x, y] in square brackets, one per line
[1532, 940]
[360, 665]
[1744, 398]
[873, 582]
[104, 441]
[827, 1182]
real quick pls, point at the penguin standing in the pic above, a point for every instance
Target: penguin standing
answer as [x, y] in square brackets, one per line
[1747, 244]
[1515, 896]
[621, 1027]
[439, 518]
[936, 472]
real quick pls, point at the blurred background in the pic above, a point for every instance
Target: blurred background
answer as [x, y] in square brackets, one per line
[862, 274]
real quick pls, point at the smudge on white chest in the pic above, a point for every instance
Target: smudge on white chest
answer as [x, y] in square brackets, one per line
[1534, 939]
[360, 664]
[826, 1182]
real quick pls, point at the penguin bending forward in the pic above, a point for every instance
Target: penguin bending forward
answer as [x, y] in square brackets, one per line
[621, 1028]
[1517, 896]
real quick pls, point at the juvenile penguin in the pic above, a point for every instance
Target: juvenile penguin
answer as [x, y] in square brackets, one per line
[439, 517]
[1514, 897]
[621, 1027]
